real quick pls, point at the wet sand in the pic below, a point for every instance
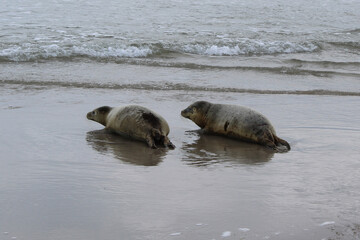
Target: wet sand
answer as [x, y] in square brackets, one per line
[63, 177]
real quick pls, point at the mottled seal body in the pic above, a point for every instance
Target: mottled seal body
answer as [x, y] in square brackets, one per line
[135, 122]
[236, 122]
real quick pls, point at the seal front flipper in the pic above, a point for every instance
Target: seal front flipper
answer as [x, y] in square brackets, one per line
[159, 139]
[150, 142]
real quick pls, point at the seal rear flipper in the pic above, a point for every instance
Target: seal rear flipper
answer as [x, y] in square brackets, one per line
[272, 141]
[281, 144]
[276, 147]
[168, 144]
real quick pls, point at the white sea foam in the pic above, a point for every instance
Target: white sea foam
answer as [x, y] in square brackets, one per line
[224, 50]
[249, 47]
[126, 51]
[70, 48]
[28, 52]
[226, 234]
[327, 223]
[244, 229]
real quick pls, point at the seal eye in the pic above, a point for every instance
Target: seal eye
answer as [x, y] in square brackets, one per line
[93, 112]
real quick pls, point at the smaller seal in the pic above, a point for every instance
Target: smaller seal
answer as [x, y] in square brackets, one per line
[134, 122]
[236, 122]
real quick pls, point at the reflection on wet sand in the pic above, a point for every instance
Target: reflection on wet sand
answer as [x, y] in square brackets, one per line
[206, 149]
[127, 150]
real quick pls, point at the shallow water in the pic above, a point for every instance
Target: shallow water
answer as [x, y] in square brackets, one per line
[63, 177]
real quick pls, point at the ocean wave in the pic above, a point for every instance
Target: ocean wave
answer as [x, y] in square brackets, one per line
[28, 52]
[297, 67]
[111, 51]
[354, 31]
[137, 55]
[170, 87]
[347, 45]
[325, 63]
[250, 47]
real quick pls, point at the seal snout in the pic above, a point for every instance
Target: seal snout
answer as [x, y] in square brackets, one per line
[186, 112]
[89, 116]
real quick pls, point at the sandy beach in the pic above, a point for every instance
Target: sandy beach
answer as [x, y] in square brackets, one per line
[62, 177]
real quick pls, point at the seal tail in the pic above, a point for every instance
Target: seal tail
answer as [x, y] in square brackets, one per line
[276, 143]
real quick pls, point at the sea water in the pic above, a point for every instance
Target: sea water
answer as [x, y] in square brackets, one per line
[311, 41]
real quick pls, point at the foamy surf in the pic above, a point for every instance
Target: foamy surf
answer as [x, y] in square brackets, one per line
[109, 51]
[244, 229]
[250, 47]
[226, 234]
[34, 52]
[327, 223]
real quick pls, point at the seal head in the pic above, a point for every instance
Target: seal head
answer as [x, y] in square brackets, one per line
[197, 112]
[99, 114]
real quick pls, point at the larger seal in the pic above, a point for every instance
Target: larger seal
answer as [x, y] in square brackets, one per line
[135, 122]
[235, 121]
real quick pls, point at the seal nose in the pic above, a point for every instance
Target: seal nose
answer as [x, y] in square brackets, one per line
[183, 113]
[186, 112]
[88, 116]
